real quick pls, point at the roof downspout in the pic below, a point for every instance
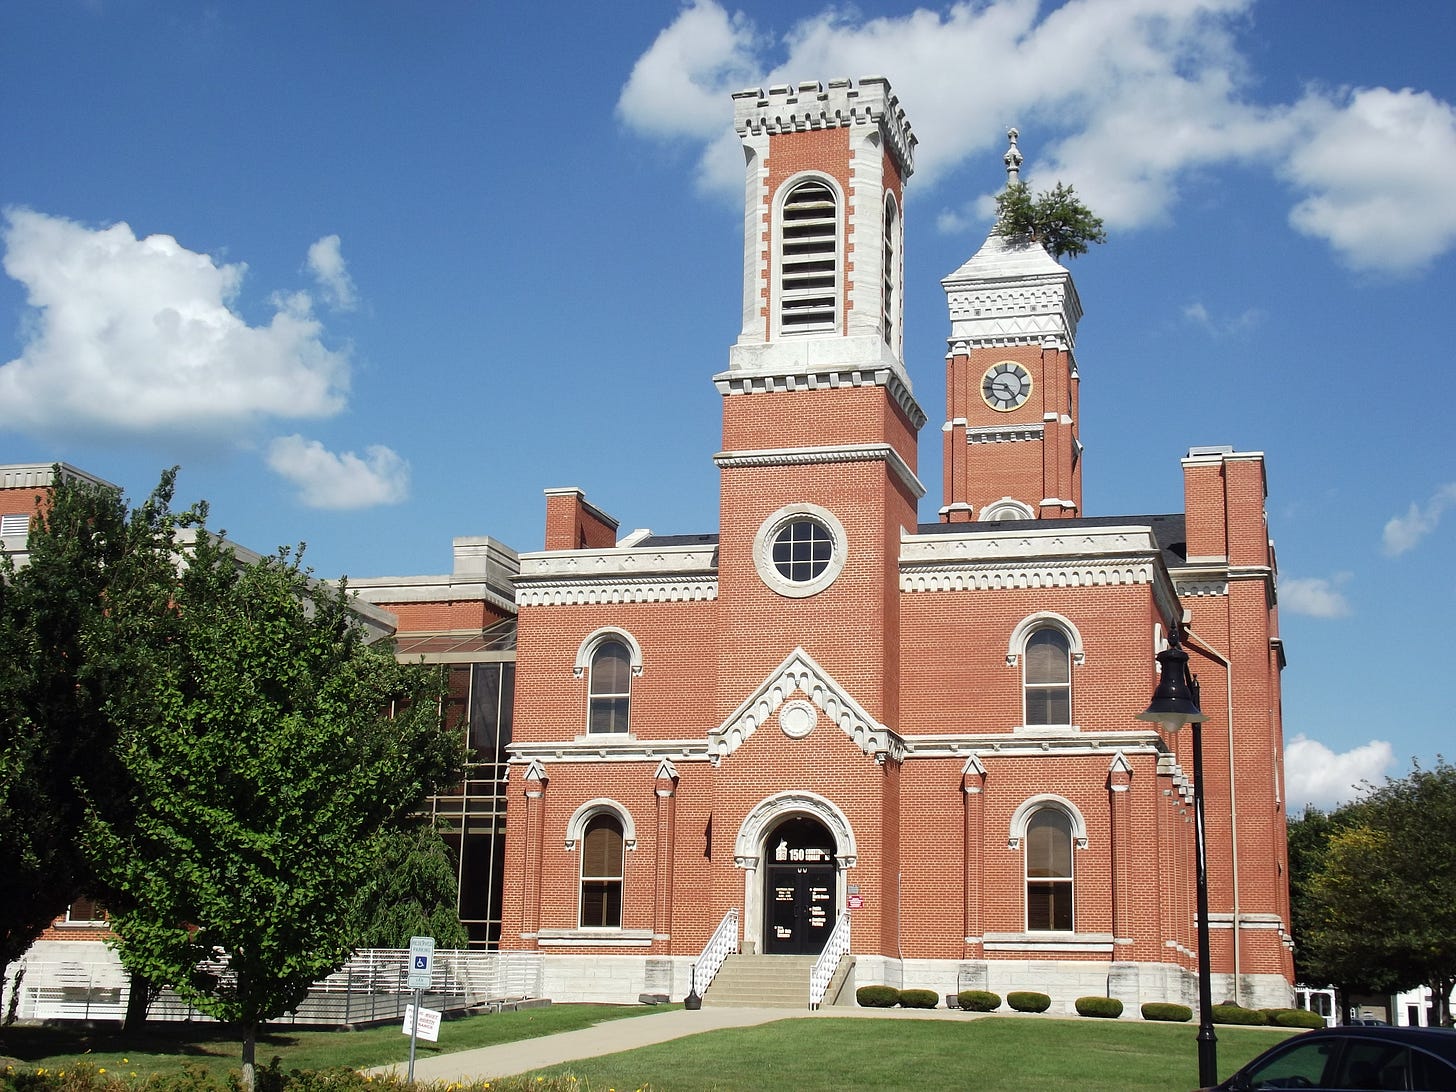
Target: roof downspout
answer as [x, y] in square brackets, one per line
[1204, 646]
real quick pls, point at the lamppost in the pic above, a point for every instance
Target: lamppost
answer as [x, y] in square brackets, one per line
[1174, 704]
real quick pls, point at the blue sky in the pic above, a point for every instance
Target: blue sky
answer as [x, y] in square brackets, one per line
[376, 275]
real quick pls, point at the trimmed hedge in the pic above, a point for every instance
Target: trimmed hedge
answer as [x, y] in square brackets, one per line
[1167, 1010]
[1296, 1018]
[1028, 1001]
[1107, 1008]
[1237, 1014]
[918, 999]
[877, 997]
[978, 1000]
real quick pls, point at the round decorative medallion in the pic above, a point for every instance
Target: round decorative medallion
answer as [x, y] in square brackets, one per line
[797, 718]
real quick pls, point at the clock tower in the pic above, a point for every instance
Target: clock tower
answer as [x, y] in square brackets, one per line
[1011, 435]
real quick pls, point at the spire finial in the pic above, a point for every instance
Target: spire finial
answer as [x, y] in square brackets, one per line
[1012, 159]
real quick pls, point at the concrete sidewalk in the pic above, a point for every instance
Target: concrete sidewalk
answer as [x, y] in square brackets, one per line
[611, 1036]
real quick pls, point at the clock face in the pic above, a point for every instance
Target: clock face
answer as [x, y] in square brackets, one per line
[1006, 386]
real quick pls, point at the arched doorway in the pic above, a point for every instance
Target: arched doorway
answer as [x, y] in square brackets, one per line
[799, 887]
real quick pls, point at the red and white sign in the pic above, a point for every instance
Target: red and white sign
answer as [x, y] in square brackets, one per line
[856, 901]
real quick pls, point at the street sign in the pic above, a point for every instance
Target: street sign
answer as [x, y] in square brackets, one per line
[421, 962]
[429, 1022]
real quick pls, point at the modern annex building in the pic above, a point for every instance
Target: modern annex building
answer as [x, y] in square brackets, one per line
[828, 718]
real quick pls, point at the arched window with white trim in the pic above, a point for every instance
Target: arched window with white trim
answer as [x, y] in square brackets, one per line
[809, 258]
[889, 300]
[1047, 677]
[602, 872]
[609, 670]
[1049, 879]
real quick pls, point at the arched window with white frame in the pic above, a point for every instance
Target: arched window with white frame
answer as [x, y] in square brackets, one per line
[889, 299]
[1049, 874]
[1046, 646]
[602, 871]
[809, 264]
[609, 659]
[1047, 677]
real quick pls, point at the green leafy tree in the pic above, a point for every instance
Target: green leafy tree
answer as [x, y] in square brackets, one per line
[1383, 901]
[1055, 218]
[411, 893]
[76, 623]
[268, 777]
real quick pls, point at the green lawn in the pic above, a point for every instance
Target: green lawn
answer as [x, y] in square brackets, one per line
[218, 1050]
[990, 1054]
[1013, 1054]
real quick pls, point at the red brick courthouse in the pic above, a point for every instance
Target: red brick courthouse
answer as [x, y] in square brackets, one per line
[828, 710]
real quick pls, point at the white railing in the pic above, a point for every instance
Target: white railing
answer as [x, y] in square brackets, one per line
[723, 944]
[835, 949]
[370, 987]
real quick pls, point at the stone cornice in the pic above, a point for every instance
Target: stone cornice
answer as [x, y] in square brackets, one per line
[1063, 744]
[615, 749]
[655, 574]
[556, 593]
[747, 380]
[429, 589]
[1002, 434]
[43, 476]
[808, 456]
[788, 108]
[1056, 557]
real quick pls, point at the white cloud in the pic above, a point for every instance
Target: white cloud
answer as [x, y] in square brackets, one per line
[131, 337]
[327, 480]
[326, 263]
[1122, 99]
[1200, 316]
[1377, 164]
[1405, 532]
[1314, 596]
[1313, 774]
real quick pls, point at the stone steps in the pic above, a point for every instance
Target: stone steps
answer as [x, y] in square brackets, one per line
[760, 981]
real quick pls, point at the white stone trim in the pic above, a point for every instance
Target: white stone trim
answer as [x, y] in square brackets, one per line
[822, 364]
[768, 531]
[576, 825]
[562, 593]
[994, 510]
[1039, 620]
[799, 672]
[594, 938]
[1016, 830]
[1048, 944]
[602, 747]
[811, 456]
[588, 649]
[787, 108]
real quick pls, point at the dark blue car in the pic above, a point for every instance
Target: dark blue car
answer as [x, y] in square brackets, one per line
[1415, 1059]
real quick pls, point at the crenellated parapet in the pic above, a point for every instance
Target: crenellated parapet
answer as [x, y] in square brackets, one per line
[794, 108]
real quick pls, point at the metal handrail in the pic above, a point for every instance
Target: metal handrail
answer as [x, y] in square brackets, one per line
[835, 949]
[723, 944]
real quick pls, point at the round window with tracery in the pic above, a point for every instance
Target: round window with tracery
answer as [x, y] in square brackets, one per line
[799, 550]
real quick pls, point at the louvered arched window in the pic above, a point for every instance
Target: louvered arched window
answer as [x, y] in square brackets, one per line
[601, 872]
[1049, 871]
[809, 258]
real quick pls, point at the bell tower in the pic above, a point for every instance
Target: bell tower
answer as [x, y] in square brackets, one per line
[1011, 432]
[819, 423]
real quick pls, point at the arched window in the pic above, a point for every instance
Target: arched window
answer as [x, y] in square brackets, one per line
[609, 687]
[809, 258]
[601, 872]
[887, 295]
[1047, 677]
[1049, 871]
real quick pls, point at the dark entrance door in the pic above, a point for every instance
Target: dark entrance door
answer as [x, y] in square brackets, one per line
[799, 892]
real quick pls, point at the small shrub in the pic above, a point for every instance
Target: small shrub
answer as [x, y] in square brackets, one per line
[1108, 1008]
[1237, 1014]
[1167, 1010]
[877, 997]
[978, 1000]
[918, 999]
[1298, 1018]
[1028, 1001]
